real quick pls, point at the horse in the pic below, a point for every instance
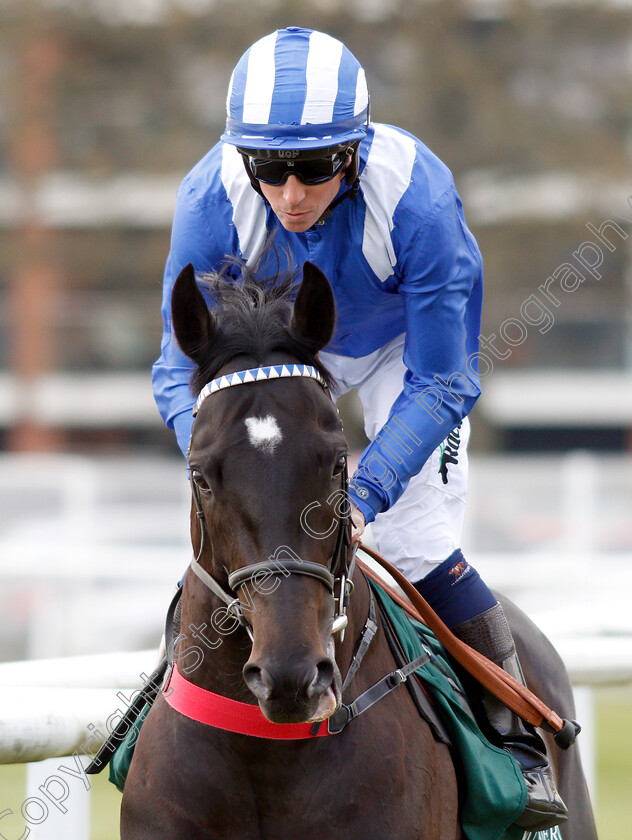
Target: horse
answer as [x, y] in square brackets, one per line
[270, 575]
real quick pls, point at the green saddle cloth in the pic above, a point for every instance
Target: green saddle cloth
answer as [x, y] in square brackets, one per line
[494, 791]
[122, 757]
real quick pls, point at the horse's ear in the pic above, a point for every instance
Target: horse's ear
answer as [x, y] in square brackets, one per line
[192, 322]
[314, 317]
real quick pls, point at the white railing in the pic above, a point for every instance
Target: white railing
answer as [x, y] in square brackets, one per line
[55, 716]
[55, 707]
[49, 692]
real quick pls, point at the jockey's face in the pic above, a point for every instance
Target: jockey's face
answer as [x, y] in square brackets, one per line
[298, 206]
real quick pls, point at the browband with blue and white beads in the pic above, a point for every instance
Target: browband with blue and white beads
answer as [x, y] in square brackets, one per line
[242, 377]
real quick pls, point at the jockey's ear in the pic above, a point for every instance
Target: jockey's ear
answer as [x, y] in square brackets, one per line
[314, 317]
[193, 325]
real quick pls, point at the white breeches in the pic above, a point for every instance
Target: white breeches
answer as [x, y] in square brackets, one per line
[424, 526]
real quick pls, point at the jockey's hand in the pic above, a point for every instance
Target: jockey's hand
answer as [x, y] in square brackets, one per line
[357, 524]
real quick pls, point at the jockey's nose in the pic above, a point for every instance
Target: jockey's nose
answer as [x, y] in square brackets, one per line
[293, 191]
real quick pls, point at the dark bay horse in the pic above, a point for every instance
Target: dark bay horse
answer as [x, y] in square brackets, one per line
[267, 466]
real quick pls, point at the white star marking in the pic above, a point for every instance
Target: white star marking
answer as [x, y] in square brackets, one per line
[264, 433]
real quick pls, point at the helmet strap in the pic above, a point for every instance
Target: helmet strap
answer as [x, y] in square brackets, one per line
[352, 193]
[351, 172]
[352, 178]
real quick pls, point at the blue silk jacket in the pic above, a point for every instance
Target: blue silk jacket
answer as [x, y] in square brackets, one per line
[400, 259]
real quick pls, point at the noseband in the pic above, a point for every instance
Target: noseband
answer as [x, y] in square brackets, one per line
[341, 563]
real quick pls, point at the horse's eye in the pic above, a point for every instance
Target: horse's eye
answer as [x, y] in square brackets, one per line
[200, 481]
[341, 463]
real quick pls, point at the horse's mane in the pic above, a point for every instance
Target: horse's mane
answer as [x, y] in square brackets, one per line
[253, 315]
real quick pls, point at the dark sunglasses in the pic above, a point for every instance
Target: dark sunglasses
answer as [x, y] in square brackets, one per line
[310, 172]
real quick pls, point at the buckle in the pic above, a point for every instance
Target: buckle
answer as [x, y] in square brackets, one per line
[340, 718]
[165, 687]
[234, 609]
[339, 624]
[395, 678]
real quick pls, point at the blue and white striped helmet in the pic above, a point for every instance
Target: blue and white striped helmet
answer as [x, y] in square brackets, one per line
[296, 89]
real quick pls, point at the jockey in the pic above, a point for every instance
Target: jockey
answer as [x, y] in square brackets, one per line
[379, 214]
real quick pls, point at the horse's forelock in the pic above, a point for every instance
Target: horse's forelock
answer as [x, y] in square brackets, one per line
[253, 316]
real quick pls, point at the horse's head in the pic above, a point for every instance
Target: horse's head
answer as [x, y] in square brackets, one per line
[267, 462]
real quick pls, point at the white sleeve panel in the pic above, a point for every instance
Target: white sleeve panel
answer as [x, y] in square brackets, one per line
[385, 179]
[249, 212]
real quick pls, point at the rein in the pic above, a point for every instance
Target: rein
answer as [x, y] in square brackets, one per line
[498, 682]
[516, 696]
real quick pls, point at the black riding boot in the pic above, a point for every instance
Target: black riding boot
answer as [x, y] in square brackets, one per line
[489, 634]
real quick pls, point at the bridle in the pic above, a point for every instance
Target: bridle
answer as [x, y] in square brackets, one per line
[193, 698]
[342, 560]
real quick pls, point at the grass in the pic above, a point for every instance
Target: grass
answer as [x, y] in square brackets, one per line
[613, 806]
[105, 802]
[106, 807]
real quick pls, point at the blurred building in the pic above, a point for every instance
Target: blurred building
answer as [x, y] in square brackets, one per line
[106, 104]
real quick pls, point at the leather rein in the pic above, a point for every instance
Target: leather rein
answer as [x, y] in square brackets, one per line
[513, 694]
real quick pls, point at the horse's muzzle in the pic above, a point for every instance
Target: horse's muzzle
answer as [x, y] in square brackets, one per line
[293, 692]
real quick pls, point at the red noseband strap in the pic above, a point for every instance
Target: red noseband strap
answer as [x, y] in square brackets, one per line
[231, 715]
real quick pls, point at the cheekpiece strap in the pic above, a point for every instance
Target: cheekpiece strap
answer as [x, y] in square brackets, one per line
[243, 377]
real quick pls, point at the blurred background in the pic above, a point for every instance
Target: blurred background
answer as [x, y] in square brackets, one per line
[106, 104]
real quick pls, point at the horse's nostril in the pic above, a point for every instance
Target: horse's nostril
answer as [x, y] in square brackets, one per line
[322, 678]
[258, 681]
[251, 673]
